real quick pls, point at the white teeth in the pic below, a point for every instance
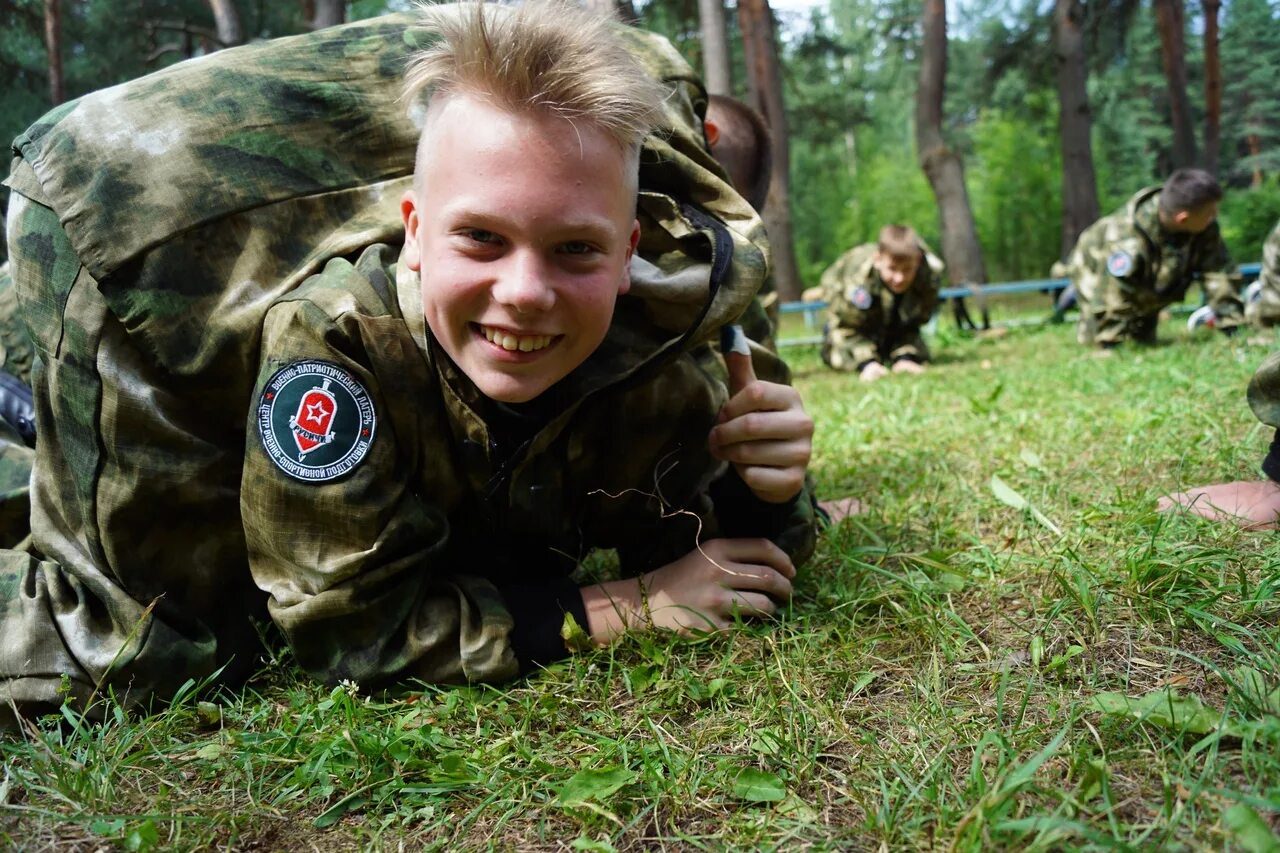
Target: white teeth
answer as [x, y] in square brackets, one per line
[511, 343]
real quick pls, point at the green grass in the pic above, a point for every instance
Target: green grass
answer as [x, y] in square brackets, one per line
[954, 674]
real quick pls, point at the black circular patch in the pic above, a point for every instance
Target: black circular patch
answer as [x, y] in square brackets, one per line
[316, 421]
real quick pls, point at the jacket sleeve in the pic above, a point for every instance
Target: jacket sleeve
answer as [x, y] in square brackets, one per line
[910, 345]
[1265, 309]
[1221, 282]
[909, 342]
[791, 525]
[701, 498]
[851, 337]
[358, 569]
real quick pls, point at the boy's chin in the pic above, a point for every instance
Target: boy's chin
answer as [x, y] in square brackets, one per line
[512, 392]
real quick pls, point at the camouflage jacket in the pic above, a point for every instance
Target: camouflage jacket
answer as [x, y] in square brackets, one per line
[16, 350]
[1152, 267]
[1265, 310]
[866, 321]
[153, 228]
[461, 514]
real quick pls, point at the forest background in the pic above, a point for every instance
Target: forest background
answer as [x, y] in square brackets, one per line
[850, 82]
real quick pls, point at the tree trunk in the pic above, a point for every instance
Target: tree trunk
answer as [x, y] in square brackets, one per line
[328, 13]
[1212, 86]
[715, 48]
[226, 21]
[53, 47]
[626, 11]
[1255, 149]
[1173, 55]
[621, 10]
[765, 80]
[1079, 183]
[941, 165]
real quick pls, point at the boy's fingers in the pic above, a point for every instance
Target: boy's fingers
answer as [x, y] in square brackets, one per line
[766, 454]
[754, 604]
[761, 397]
[761, 552]
[774, 485]
[791, 425]
[765, 579]
[741, 372]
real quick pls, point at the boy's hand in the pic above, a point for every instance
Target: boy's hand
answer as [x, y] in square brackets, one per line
[906, 365]
[764, 431]
[872, 371]
[705, 590]
[1253, 504]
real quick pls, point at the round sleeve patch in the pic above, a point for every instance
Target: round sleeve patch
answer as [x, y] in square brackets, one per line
[861, 298]
[1120, 263]
[316, 421]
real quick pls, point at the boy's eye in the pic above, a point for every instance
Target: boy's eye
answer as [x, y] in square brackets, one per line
[577, 247]
[479, 235]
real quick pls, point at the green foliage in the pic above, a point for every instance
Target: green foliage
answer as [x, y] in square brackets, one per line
[1251, 108]
[1018, 210]
[1247, 217]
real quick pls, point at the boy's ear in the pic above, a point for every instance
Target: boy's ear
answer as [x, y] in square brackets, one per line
[713, 131]
[409, 215]
[633, 241]
[1181, 216]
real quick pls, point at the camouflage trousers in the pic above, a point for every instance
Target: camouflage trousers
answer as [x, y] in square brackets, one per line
[111, 592]
[1265, 310]
[844, 349]
[1111, 313]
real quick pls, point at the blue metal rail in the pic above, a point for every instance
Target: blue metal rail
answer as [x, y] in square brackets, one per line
[811, 309]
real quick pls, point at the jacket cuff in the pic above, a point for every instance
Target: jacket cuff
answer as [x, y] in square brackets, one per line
[537, 612]
[1271, 464]
[858, 367]
[747, 515]
[907, 356]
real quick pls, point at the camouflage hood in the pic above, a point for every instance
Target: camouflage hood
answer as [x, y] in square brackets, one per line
[197, 195]
[1143, 212]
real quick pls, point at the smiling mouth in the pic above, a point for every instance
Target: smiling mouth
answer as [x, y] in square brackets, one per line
[516, 343]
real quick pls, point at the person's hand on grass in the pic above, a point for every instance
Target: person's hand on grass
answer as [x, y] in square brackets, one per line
[1253, 504]
[705, 590]
[907, 366]
[872, 371]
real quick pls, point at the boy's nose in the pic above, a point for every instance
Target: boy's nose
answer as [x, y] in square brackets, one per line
[525, 286]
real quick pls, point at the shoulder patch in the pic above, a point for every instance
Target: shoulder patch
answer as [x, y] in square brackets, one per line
[861, 298]
[316, 421]
[1120, 263]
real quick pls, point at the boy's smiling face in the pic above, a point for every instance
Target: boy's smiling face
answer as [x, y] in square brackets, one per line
[521, 227]
[897, 271]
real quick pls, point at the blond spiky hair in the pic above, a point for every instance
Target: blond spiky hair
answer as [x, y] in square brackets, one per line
[545, 55]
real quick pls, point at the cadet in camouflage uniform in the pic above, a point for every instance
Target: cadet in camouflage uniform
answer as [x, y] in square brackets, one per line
[880, 295]
[1265, 309]
[237, 392]
[1127, 266]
